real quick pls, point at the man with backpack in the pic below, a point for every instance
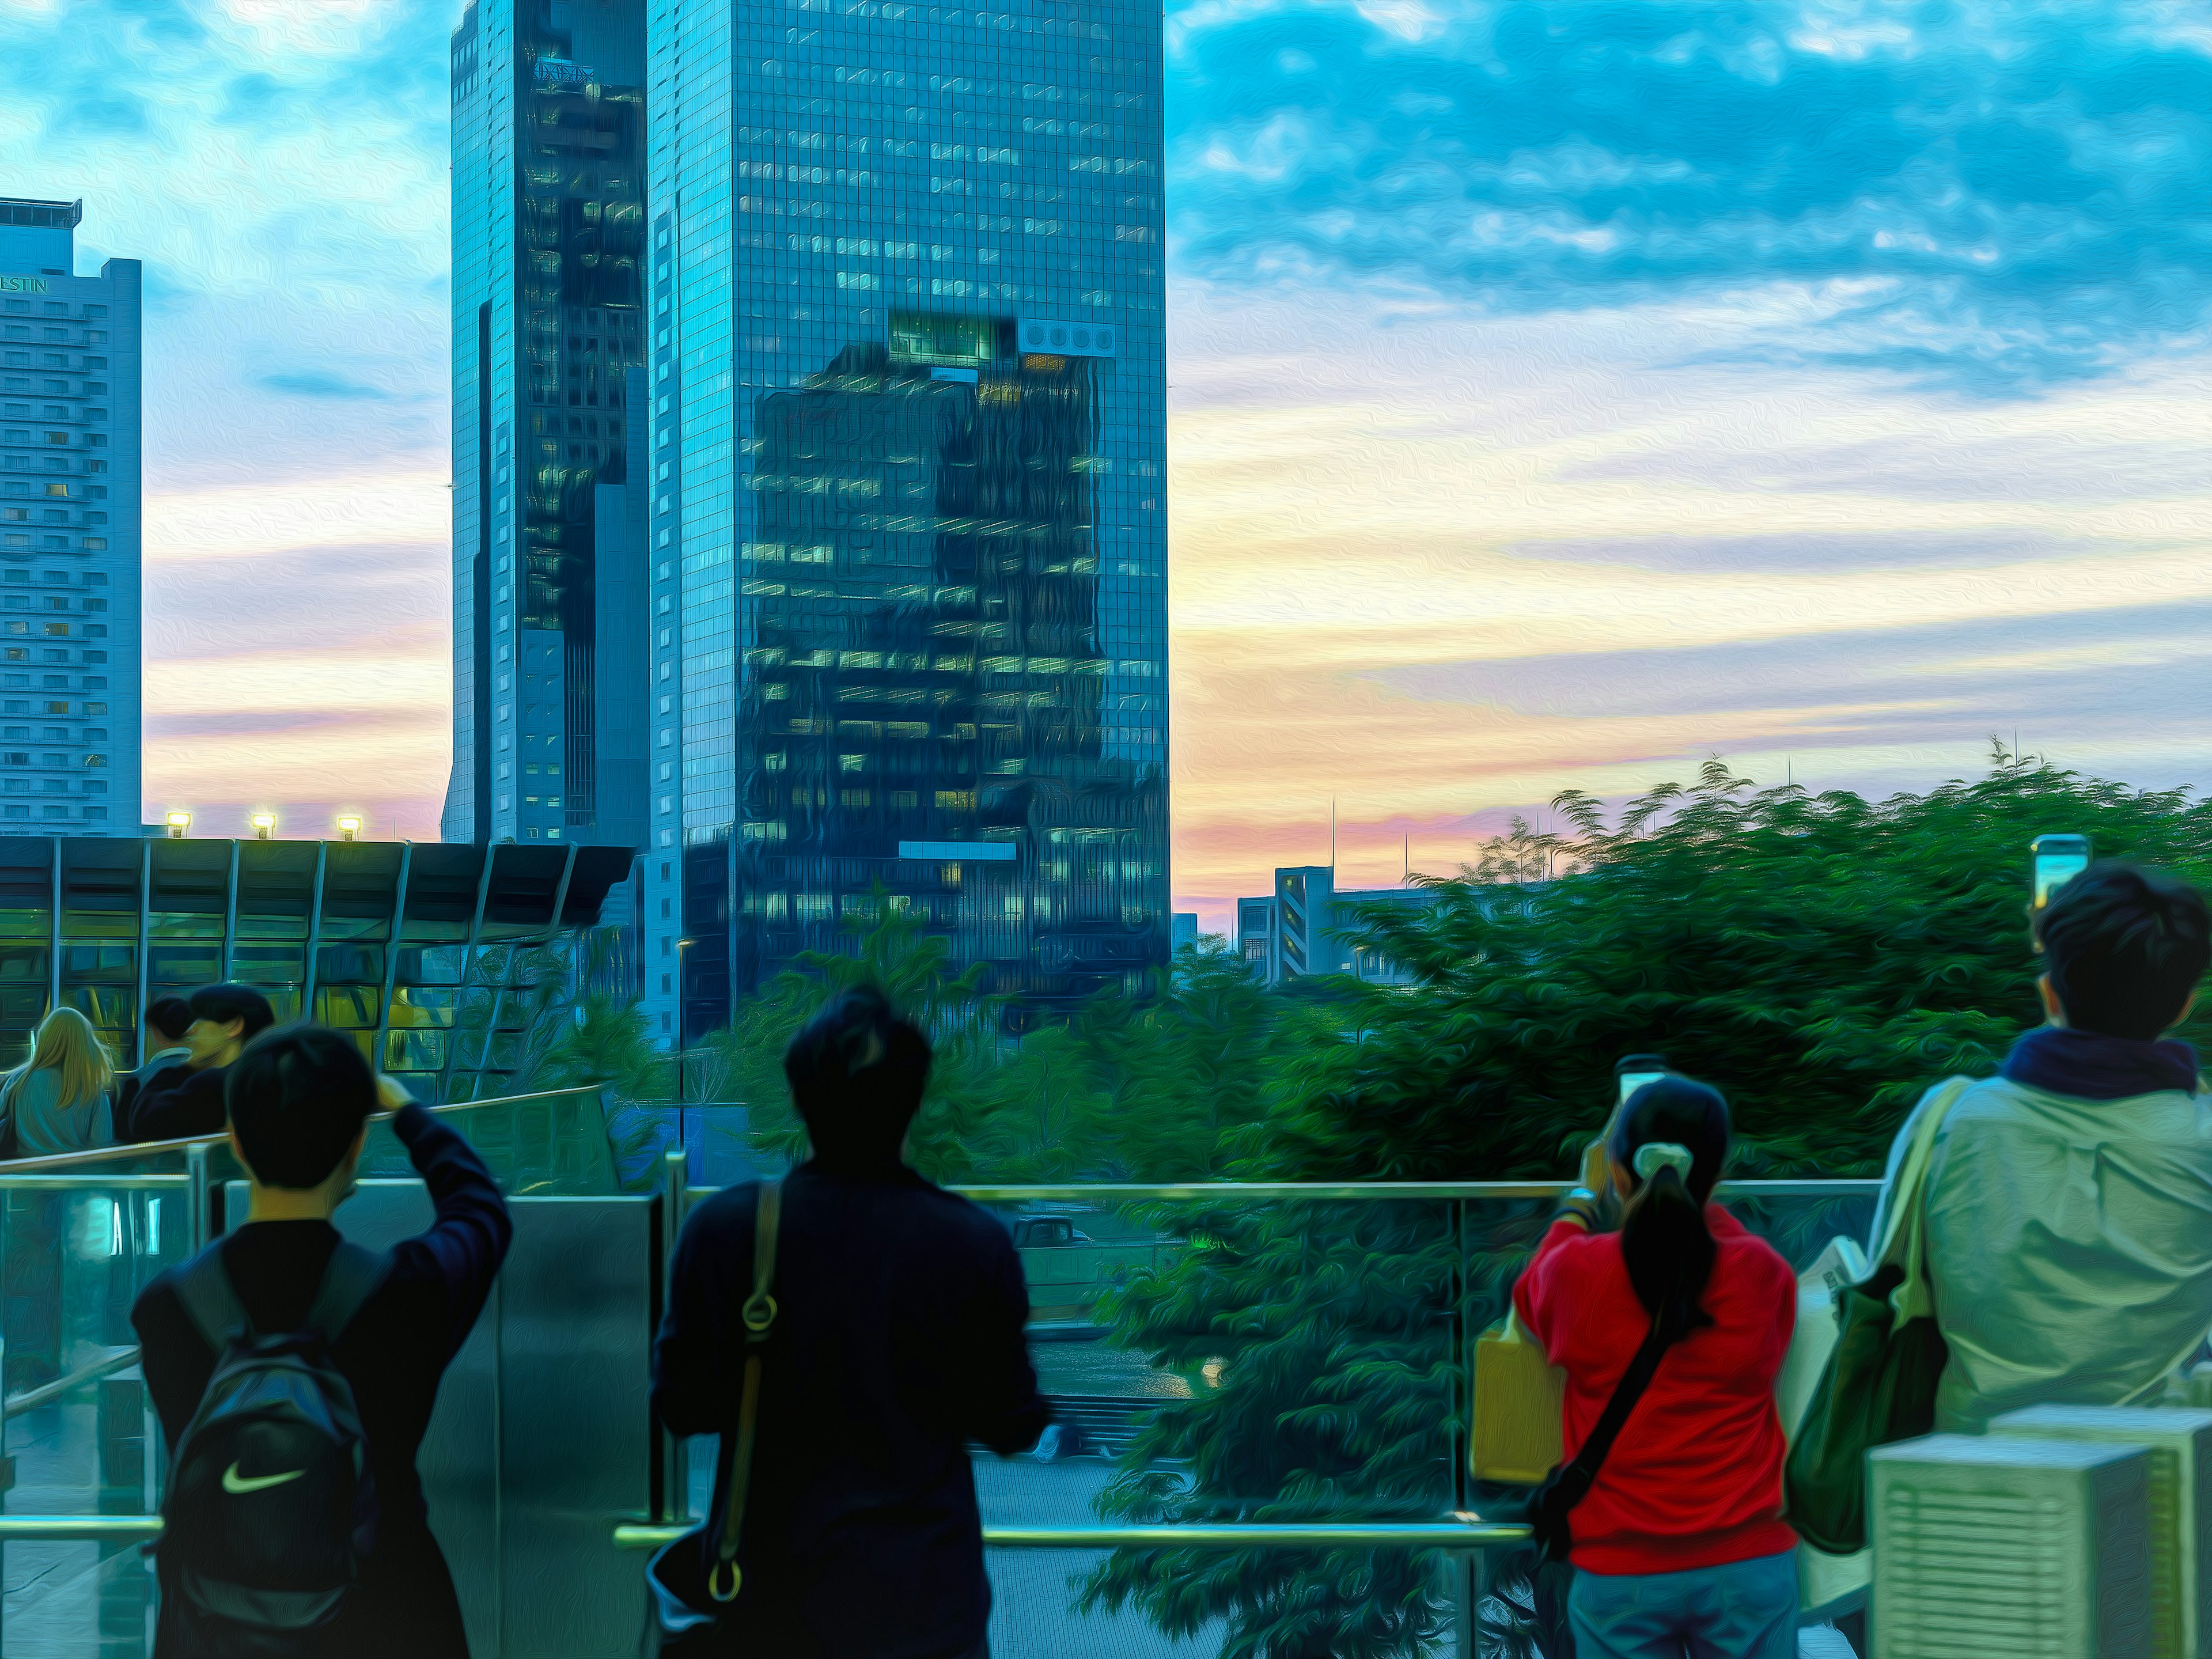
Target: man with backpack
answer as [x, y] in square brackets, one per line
[294, 1375]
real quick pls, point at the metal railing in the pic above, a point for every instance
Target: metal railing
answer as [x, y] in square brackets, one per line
[1466, 1535]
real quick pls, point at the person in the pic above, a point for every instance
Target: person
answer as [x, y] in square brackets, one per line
[899, 1339]
[167, 1022]
[1680, 1541]
[2068, 1208]
[58, 1099]
[186, 1099]
[300, 1098]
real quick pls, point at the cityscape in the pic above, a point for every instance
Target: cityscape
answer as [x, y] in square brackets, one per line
[1396, 809]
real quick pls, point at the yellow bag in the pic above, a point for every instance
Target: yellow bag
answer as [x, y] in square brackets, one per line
[1518, 1394]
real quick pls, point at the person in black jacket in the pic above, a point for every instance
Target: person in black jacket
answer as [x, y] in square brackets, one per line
[300, 1099]
[899, 1338]
[186, 1099]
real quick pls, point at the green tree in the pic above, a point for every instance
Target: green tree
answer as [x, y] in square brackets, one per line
[1822, 959]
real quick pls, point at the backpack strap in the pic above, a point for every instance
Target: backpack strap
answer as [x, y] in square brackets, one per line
[211, 1301]
[354, 1275]
[350, 1279]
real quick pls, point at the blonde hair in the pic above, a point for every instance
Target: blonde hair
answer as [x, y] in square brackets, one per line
[66, 1041]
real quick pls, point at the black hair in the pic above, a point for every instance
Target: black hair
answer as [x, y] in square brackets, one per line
[857, 1072]
[2125, 947]
[230, 1000]
[169, 1016]
[297, 1098]
[1664, 1241]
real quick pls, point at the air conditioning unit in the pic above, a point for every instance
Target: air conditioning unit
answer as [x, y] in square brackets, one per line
[2004, 1547]
[2180, 1445]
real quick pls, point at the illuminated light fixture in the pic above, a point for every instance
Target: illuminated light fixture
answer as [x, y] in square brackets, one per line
[348, 828]
[178, 823]
[263, 825]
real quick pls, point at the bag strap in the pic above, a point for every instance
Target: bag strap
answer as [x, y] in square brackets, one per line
[353, 1276]
[211, 1301]
[1590, 1457]
[758, 1317]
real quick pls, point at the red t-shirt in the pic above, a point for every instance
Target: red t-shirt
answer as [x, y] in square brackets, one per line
[1695, 1477]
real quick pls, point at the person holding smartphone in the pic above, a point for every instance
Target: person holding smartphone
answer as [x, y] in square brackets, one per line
[2067, 1200]
[1680, 1542]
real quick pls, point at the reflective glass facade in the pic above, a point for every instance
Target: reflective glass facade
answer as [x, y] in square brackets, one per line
[398, 945]
[909, 516]
[69, 572]
[547, 114]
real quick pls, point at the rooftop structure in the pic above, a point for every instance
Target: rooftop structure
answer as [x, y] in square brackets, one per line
[402, 944]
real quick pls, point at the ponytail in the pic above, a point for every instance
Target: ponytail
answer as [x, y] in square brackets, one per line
[1668, 1251]
[1673, 1133]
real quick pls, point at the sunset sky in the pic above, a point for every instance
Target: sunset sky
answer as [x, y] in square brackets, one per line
[1561, 394]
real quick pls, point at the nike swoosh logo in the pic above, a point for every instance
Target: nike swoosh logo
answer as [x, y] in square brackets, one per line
[233, 1482]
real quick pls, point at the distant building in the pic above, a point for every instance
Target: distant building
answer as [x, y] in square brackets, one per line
[68, 532]
[1184, 931]
[1304, 928]
[549, 585]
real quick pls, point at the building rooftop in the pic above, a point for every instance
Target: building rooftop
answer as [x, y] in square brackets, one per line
[45, 216]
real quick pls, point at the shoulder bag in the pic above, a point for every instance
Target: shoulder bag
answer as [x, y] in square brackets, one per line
[1880, 1380]
[693, 1582]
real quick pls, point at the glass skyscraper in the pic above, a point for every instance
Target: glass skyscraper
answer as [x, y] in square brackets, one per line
[907, 516]
[548, 228]
[70, 577]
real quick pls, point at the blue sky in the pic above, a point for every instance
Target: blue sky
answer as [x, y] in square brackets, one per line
[1562, 393]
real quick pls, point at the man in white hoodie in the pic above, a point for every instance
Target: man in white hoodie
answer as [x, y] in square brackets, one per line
[2068, 1204]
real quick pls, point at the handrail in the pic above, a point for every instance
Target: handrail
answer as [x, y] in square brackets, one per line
[144, 1148]
[1372, 1191]
[32, 1399]
[53, 1528]
[1470, 1534]
[1473, 1535]
[175, 1182]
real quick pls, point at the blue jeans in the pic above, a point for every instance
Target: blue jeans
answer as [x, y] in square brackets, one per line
[1745, 1610]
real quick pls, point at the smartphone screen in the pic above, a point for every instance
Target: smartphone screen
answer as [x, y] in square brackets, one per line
[2057, 860]
[2053, 871]
[1632, 1081]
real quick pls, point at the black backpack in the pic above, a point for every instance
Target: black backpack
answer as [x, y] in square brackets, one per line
[270, 1505]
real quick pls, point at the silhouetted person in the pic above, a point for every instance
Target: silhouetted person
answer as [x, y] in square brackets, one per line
[899, 1338]
[167, 1022]
[300, 1099]
[186, 1099]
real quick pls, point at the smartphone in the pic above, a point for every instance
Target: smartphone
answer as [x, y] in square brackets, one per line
[2055, 860]
[1633, 1071]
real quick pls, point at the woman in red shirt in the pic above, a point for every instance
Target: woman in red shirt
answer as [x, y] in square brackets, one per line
[1679, 1544]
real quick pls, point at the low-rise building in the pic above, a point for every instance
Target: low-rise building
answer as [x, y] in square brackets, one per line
[1305, 927]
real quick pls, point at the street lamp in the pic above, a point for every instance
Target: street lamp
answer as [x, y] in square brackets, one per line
[264, 824]
[348, 828]
[178, 823]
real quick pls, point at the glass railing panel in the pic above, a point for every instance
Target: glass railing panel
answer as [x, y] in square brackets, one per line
[76, 1431]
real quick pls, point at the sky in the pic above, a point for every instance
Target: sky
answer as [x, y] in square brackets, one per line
[1561, 394]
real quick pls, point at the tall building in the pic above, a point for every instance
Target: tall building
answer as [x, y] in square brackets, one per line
[549, 591]
[908, 512]
[69, 530]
